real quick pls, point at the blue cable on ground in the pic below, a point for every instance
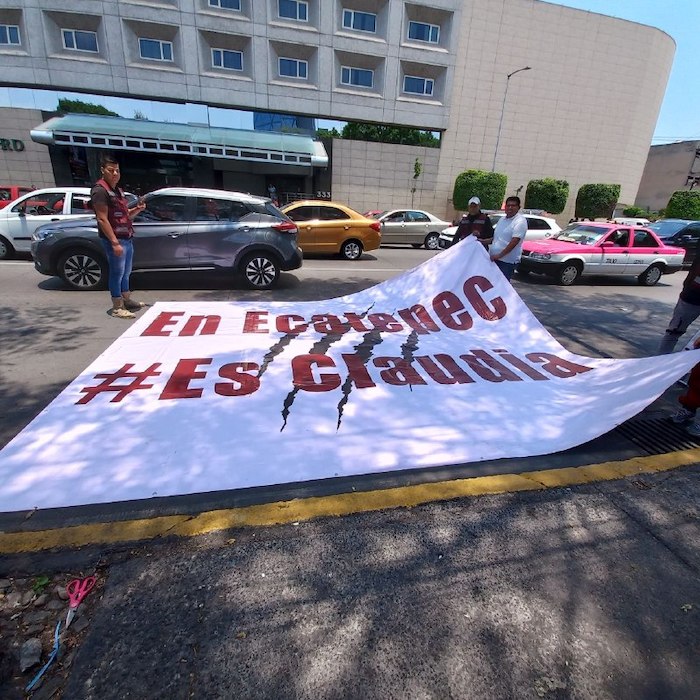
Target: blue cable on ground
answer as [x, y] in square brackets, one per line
[52, 657]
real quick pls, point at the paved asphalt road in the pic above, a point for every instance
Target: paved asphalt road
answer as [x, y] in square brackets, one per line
[583, 592]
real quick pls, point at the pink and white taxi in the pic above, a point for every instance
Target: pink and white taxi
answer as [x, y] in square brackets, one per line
[601, 249]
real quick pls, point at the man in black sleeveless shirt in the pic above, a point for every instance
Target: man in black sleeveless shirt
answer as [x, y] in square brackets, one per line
[475, 222]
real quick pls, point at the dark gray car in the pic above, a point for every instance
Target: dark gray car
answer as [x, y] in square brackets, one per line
[684, 233]
[182, 228]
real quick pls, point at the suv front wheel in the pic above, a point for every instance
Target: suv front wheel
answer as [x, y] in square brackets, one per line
[83, 270]
[260, 270]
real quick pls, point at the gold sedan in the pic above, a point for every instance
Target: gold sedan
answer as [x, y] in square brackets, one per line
[329, 227]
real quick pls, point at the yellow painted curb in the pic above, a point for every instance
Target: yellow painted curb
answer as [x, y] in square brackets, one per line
[301, 509]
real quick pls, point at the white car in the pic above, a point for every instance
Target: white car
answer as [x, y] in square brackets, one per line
[630, 221]
[20, 218]
[537, 227]
[411, 226]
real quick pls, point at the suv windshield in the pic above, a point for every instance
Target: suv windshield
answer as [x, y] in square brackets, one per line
[585, 234]
[665, 229]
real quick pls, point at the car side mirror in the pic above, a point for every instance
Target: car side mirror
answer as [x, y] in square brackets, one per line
[22, 210]
[607, 244]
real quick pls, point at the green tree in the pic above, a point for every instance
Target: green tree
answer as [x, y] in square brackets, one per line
[548, 194]
[489, 187]
[417, 170]
[328, 133]
[684, 204]
[389, 134]
[596, 200]
[79, 107]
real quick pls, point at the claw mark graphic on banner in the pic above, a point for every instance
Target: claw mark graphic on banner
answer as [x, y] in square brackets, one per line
[363, 352]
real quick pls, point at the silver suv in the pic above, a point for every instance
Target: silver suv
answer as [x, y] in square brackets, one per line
[182, 228]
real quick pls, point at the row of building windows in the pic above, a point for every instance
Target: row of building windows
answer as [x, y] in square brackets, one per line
[361, 21]
[87, 41]
[229, 59]
[288, 9]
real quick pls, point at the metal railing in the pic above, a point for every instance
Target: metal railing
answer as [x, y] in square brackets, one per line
[288, 197]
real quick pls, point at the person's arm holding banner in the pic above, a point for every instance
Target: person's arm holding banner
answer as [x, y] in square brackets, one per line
[487, 232]
[511, 244]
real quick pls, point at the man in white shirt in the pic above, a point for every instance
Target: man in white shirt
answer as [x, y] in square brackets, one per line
[508, 238]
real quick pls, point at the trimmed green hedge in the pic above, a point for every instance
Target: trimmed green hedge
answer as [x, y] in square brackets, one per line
[489, 187]
[635, 211]
[596, 200]
[684, 204]
[548, 194]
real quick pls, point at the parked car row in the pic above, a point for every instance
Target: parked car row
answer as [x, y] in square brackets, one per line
[192, 228]
[537, 227]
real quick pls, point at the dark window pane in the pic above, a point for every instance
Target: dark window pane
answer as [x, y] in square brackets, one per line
[303, 214]
[233, 60]
[642, 239]
[149, 48]
[291, 9]
[357, 76]
[537, 224]
[80, 204]
[226, 4]
[165, 208]
[86, 41]
[289, 67]
[331, 214]
[362, 21]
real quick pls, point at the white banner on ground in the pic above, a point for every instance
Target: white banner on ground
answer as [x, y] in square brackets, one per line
[442, 365]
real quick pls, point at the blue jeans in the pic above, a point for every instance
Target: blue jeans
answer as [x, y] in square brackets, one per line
[506, 268]
[119, 266]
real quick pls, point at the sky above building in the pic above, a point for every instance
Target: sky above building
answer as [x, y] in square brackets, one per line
[679, 118]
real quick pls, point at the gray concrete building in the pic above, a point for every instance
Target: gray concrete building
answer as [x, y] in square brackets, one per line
[22, 161]
[669, 167]
[441, 66]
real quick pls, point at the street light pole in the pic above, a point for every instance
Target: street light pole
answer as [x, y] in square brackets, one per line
[503, 109]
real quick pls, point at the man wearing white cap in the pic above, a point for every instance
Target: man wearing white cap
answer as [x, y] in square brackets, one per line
[508, 238]
[475, 222]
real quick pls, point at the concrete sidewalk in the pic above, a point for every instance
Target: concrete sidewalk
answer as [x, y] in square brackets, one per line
[583, 592]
